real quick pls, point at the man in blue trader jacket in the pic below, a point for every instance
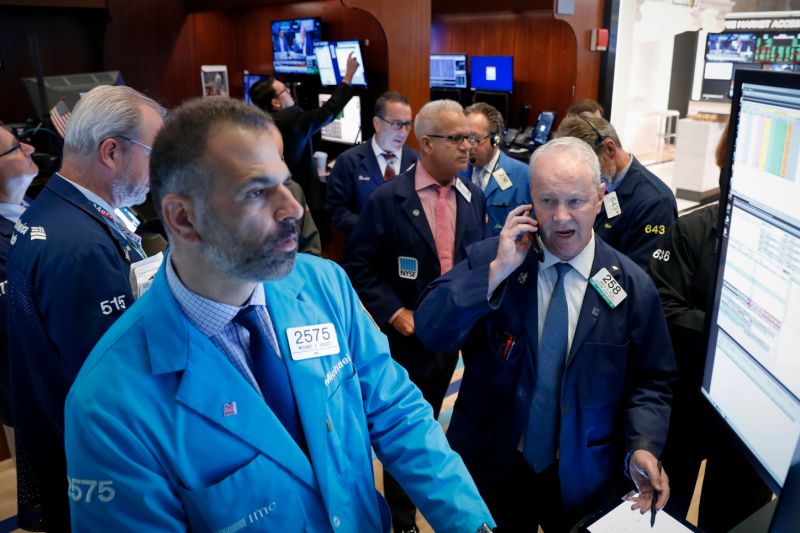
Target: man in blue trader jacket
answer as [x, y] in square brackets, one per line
[361, 169]
[68, 276]
[412, 230]
[638, 208]
[505, 182]
[176, 420]
[566, 353]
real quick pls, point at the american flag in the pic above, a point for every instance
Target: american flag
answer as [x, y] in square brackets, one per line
[59, 115]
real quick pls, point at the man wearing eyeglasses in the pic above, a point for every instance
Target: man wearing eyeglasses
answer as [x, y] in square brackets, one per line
[412, 230]
[638, 208]
[17, 170]
[361, 169]
[298, 126]
[68, 271]
[503, 180]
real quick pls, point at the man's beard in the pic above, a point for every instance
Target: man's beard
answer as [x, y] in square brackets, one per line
[126, 191]
[252, 261]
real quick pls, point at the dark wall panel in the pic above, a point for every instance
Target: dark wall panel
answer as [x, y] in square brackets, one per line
[543, 50]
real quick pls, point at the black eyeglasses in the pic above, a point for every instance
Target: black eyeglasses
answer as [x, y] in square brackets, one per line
[456, 139]
[600, 137]
[11, 150]
[396, 125]
[143, 146]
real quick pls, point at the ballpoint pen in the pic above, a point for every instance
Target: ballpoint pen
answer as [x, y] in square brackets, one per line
[655, 499]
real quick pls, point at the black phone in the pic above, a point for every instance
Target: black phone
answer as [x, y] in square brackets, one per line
[536, 245]
[510, 135]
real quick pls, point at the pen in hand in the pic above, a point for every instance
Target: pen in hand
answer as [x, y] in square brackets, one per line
[655, 499]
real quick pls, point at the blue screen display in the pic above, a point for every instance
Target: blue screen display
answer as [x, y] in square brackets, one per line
[492, 73]
[248, 81]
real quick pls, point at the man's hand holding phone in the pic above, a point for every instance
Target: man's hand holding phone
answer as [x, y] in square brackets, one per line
[516, 238]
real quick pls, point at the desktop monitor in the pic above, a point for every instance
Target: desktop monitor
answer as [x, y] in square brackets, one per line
[492, 73]
[332, 60]
[752, 369]
[293, 45]
[346, 127]
[449, 71]
[730, 47]
[70, 87]
[248, 80]
[543, 127]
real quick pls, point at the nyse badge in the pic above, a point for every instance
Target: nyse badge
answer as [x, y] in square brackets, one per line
[229, 409]
[522, 278]
[415, 212]
[407, 267]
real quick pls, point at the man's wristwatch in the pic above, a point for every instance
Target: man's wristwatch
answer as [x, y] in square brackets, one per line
[484, 528]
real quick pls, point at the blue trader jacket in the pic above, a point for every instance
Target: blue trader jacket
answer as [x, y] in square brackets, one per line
[354, 176]
[648, 211]
[615, 395]
[170, 436]
[498, 201]
[68, 272]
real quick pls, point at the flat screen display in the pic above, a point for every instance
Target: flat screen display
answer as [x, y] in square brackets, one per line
[449, 71]
[731, 47]
[492, 73]
[293, 46]
[332, 60]
[752, 373]
[346, 127]
[248, 80]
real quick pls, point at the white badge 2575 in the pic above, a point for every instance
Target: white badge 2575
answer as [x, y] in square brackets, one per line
[317, 340]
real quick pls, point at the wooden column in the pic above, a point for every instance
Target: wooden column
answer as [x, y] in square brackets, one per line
[407, 26]
[588, 15]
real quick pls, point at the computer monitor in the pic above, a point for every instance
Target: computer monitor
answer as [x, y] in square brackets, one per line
[730, 47]
[332, 60]
[293, 46]
[248, 80]
[492, 73]
[543, 127]
[346, 127]
[70, 87]
[449, 71]
[752, 369]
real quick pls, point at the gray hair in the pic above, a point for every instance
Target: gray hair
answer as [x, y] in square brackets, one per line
[574, 147]
[426, 122]
[589, 129]
[177, 163]
[104, 112]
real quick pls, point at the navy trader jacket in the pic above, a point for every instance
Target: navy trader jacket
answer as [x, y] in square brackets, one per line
[615, 394]
[68, 282]
[392, 232]
[354, 176]
[648, 211]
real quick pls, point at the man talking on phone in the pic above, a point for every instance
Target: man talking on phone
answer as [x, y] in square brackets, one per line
[567, 358]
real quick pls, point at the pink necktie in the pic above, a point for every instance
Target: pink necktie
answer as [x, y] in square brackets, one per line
[443, 237]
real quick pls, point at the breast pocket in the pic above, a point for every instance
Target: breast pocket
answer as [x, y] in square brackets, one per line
[257, 497]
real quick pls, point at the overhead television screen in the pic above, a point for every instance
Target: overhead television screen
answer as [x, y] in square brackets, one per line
[332, 61]
[293, 46]
[449, 71]
[731, 47]
[492, 73]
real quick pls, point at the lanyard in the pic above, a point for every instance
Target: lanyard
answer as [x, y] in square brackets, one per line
[132, 239]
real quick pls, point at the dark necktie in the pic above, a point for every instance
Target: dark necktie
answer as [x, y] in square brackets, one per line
[541, 437]
[271, 375]
[389, 173]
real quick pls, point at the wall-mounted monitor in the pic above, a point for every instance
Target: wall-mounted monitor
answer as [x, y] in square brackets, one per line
[346, 127]
[248, 80]
[70, 87]
[777, 48]
[449, 71]
[293, 45]
[752, 371]
[492, 73]
[332, 60]
[731, 47]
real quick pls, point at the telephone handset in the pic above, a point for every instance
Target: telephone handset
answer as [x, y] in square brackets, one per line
[536, 245]
[525, 138]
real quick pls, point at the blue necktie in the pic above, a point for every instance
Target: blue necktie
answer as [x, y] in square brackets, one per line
[541, 437]
[271, 375]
